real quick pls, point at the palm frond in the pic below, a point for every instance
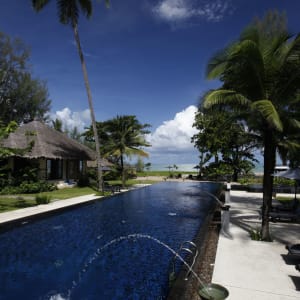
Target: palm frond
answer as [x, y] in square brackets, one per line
[225, 97]
[250, 33]
[217, 64]
[269, 113]
[86, 7]
[295, 123]
[131, 151]
[68, 11]
[39, 4]
[290, 145]
[293, 53]
[249, 51]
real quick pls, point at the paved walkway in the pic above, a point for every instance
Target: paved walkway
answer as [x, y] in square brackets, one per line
[252, 269]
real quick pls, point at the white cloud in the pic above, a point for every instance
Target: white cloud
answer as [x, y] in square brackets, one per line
[181, 10]
[79, 119]
[175, 135]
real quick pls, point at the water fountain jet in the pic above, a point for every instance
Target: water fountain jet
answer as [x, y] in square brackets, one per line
[207, 291]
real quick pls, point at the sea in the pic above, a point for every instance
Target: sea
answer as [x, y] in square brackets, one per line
[258, 169]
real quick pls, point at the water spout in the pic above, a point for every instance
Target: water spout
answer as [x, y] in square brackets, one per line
[222, 205]
[225, 230]
[136, 236]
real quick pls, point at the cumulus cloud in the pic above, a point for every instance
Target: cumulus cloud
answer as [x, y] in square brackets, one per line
[175, 135]
[182, 10]
[79, 119]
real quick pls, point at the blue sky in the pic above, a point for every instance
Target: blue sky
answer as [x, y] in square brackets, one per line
[144, 57]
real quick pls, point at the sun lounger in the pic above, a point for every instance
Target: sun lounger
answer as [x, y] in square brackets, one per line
[293, 249]
[289, 207]
[279, 215]
[111, 188]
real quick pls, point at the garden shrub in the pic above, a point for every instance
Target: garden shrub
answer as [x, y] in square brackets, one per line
[28, 188]
[42, 199]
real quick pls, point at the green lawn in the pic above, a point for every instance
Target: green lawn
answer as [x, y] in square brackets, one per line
[12, 202]
[7, 204]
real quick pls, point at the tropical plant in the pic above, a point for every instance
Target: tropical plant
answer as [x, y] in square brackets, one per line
[222, 137]
[261, 82]
[68, 12]
[57, 124]
[122, 136]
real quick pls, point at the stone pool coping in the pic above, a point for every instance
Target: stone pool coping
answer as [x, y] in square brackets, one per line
[14, 217]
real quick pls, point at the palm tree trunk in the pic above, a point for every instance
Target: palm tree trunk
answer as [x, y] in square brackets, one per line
[123, 172]
[89, 94]
[269, 164]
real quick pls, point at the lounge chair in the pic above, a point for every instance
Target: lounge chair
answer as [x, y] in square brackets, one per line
[290, 207]
[280, 215]
[111, 188]
[293, 249]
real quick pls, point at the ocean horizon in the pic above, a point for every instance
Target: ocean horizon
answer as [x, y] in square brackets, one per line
[191, 168]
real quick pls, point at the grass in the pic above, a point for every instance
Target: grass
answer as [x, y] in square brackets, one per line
[12, 202]
[8, 204]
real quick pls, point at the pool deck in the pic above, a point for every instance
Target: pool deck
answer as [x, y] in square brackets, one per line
[248, 269]
[253, 269]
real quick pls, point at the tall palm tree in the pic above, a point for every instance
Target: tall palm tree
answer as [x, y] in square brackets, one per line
[68, 12]
[261, 80]
[123, 136]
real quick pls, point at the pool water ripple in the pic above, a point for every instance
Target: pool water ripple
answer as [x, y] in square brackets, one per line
[58, 257]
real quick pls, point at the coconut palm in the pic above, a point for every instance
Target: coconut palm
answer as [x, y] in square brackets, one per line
[123, 136]
[68, 13]
[261, 80]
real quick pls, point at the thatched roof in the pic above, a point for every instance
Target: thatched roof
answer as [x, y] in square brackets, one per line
[48, 143]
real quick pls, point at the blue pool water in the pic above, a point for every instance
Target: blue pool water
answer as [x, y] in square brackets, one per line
[63, 256]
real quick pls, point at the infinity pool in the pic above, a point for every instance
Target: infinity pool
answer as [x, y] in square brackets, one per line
[94, 252]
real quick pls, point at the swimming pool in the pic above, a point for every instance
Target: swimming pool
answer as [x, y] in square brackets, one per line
[76, 254]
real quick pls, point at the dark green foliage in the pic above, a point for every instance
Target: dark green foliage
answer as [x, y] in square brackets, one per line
[255, 234]
[226, 140]
[28, 188]
[22, 98]
[122, 136]
[42, 199]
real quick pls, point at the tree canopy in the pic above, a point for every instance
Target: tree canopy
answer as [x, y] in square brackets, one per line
[22, 97]
[122, 136]
[226, 140]
[261, 83]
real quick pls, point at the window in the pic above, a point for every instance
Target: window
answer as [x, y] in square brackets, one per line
[54, 169]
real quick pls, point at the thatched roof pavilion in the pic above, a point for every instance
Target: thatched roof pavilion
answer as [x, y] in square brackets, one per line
[48, 143]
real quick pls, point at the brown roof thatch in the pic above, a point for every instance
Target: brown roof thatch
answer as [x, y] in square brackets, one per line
[48, 143]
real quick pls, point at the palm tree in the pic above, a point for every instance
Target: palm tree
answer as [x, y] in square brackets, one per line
[123, 136]
[68, 12]
[261, 80]
[57, 124]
